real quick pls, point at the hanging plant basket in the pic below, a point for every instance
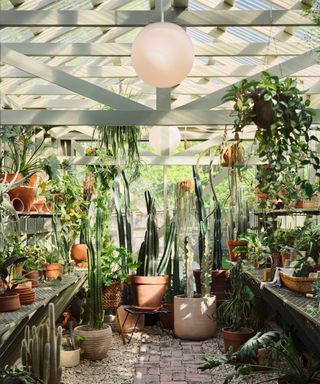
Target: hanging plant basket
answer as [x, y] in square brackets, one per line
[231, 155]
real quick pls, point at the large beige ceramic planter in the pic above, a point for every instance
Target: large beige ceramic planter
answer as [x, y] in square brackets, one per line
[94, 342]
[194, 318]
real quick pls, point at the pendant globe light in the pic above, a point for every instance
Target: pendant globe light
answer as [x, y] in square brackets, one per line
[164, 139]
[162, 54]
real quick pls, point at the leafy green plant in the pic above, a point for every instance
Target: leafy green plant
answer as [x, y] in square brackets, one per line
[151, 264]
[115, 261]
[96, 315]
[257, 249]
[36, 257]
[281, 358]
[235, 311]
[283, 118]
[23, 148]
[18, 376]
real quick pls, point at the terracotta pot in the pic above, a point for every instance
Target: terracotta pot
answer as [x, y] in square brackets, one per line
[232, 245]
[167, 319]
[287, 256]
[53, 271]
[22, 196]
[276, 259]
[18, 270]
[128, 321]
[194, 318]
[299, 204]
[148, 291]
[112, 295]
[33, 276]
[220, 285]
[40, 205]
[9, 302]
[236, 339]
[26, 294]
[231, 155]
[94, 342]
[69, 359]
[261, 196]
[79, 253]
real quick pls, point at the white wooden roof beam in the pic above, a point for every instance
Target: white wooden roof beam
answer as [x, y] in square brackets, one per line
[115, 118]
[90, 18]
[115, 49]
[288, 67]
[67, 81]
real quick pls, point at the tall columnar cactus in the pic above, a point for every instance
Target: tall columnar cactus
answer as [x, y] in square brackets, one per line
[238, 222]
[40, 350]
[206, 264]
[94, 273]
[187, 270]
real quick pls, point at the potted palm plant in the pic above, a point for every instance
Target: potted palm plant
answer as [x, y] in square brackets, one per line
[235, 311]
[94, 338]
[149, 284]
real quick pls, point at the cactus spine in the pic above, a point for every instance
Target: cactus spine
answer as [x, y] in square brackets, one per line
[40, 350]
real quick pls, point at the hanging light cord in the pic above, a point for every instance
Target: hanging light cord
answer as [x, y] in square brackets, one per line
[161, 10]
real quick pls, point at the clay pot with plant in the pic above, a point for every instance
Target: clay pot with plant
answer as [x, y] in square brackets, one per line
[35, 255]
[194, 314]
[52, 266]
[149, 284]
[94, 338]
[9, 299]
[23, 149]
[234, 313]
[220, 285]
[283, 118]
[115, 261]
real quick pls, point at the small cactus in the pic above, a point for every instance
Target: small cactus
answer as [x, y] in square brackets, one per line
[40, 350]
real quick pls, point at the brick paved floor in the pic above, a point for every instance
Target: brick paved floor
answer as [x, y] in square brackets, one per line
[170, 361]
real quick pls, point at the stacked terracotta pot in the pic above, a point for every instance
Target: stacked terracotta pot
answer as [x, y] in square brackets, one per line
[26, 294]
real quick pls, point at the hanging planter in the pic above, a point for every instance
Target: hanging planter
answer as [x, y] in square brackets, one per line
[232, 155]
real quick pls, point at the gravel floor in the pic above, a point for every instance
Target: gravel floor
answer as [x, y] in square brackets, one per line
[119, 367]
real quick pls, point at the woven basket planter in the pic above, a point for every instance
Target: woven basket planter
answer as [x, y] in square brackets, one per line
[297, 284]
[112, 295]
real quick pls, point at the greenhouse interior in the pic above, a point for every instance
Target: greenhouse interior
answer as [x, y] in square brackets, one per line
[159, 191]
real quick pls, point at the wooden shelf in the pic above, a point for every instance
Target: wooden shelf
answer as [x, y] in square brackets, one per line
[287, 212]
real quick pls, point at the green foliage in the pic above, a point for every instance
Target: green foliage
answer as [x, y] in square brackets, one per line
[284, 136]
[235, 311]
[115, 261]
[150, 263]
[282, 358]
[17, 376]
[36, 256]
[94, 271]
[257, 248]
[23, 148]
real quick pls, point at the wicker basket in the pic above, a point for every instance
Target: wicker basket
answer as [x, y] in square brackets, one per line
[297, 284]
[313, 203]
[112, 295]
